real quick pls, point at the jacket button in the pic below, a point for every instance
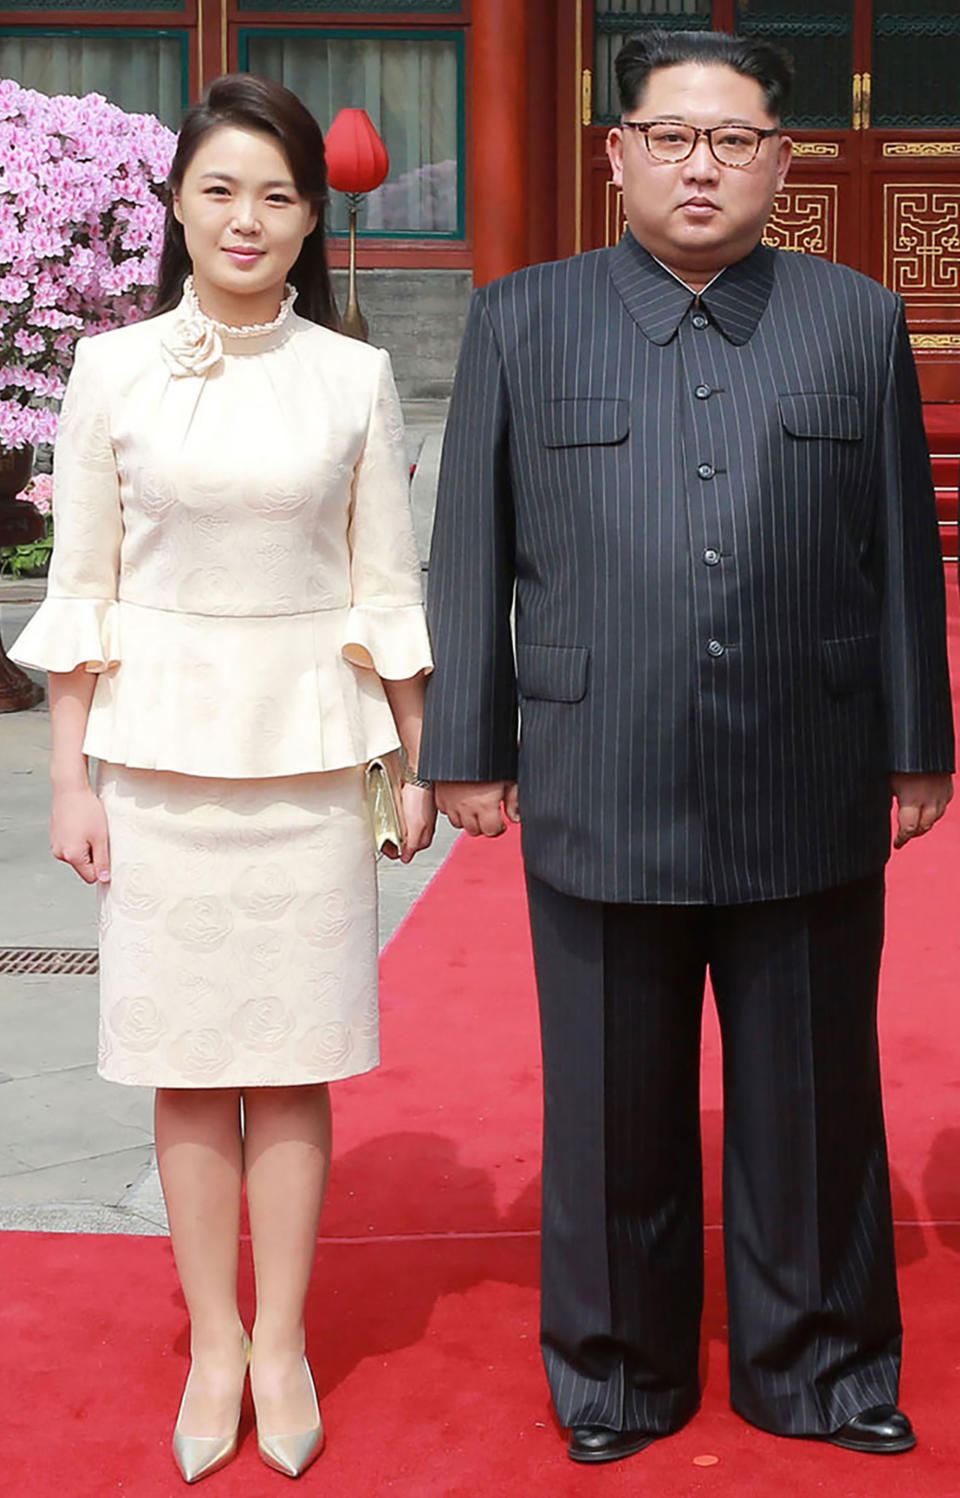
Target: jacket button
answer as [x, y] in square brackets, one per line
[711, 557]
[698, 320]
[715, 648]
[706, 470]
[703, 392]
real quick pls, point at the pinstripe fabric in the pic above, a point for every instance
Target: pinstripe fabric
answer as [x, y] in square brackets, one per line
[717, 520]
[720, 523]
[814, 1323]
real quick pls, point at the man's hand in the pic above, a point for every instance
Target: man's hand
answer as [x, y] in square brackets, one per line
[921, 801]
[479, 807]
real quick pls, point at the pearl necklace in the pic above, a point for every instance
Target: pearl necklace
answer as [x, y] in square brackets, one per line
[246, 330]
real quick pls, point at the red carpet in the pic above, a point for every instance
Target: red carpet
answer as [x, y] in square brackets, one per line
[423, 1318]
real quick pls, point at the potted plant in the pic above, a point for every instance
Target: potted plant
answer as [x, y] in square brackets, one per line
[32, 558]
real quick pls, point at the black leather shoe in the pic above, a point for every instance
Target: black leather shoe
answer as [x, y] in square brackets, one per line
[594, 1443]
[882, 1431]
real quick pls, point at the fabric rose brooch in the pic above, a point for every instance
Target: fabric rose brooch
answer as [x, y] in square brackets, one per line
[193, 346]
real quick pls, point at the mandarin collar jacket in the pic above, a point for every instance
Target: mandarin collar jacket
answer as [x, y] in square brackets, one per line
[716, 519]
[735, 300]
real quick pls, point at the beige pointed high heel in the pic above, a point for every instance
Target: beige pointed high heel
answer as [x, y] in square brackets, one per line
[201, 1456]
[292, 1455]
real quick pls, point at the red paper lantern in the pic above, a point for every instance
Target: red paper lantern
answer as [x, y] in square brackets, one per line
[357, 159]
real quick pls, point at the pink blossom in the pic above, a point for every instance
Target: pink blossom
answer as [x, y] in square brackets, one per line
[40, 493]
[29, 343]
[14, 289]
[80, 232]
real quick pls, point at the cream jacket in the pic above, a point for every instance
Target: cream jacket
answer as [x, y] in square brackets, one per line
[233, 548]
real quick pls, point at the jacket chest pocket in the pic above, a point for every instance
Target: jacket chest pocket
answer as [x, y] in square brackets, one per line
[837, 418]
[584, 421]
[553, 673]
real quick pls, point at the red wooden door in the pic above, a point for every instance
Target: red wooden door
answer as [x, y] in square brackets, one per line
[910, 169]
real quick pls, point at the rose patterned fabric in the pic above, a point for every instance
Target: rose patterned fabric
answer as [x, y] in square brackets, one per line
[238, 933]
[234, 554]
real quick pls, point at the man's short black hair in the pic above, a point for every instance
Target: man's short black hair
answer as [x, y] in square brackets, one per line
[766, 63]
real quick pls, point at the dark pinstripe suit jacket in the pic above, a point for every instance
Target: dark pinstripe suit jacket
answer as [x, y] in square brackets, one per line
[721, 527]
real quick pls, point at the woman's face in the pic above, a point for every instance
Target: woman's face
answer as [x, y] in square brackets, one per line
[243, 219]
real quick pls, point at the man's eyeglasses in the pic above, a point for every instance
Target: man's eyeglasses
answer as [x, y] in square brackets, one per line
[730, 145]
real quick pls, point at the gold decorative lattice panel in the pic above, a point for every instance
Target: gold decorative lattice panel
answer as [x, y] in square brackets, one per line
[816, 148]
[804, 218]
[921, 148]
[921, 241]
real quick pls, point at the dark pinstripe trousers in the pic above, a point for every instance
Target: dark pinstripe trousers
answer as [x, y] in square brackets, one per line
[813, 1310]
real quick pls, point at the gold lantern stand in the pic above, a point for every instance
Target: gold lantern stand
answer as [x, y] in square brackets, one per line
[354, 322]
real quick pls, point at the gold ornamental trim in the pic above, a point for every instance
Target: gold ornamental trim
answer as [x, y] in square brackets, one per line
[804, 219]
[934, 342]
[921, 241]
[818, 148]
[586, 98]
[921, 148]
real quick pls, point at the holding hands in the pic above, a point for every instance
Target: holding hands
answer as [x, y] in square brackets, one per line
[481, 808]
[420, 816]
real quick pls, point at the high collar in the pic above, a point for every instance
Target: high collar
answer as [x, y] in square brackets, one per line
[658, 302]
[195, 344]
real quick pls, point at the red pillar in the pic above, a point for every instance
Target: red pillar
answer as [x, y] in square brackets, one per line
[500, 141]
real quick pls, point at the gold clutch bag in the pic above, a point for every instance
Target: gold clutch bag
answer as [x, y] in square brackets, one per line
[386, 808]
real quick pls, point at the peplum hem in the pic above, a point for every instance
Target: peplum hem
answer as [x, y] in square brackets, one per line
[237, 697]
[66, 633]
[391, 640]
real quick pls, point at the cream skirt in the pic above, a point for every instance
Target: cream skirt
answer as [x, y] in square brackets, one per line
[238, 933]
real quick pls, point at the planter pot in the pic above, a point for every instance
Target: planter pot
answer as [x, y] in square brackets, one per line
[16, 471]
[19, 524]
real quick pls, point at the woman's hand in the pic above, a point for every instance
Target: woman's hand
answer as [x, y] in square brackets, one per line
[78, 833]
[420, 814]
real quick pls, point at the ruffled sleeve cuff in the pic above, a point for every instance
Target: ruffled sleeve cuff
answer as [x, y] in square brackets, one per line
[68, 632]
[391, 640]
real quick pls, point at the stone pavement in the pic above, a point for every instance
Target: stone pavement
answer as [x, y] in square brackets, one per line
[76, 1153]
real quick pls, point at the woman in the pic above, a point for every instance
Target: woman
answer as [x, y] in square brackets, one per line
[233, 628]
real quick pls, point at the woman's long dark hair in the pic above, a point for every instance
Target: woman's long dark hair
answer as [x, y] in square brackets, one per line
[251, 103]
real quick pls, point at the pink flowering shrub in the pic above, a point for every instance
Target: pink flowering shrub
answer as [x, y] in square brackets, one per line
[81, 224]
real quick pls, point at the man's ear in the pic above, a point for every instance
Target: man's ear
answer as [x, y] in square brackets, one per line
[615, 154]
[784, 157]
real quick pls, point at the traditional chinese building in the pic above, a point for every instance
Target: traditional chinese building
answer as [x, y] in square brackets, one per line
[495, 112]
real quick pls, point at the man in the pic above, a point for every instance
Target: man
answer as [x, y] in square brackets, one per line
[700, 466]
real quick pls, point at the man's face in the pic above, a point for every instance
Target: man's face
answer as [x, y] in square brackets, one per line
[696, 215]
